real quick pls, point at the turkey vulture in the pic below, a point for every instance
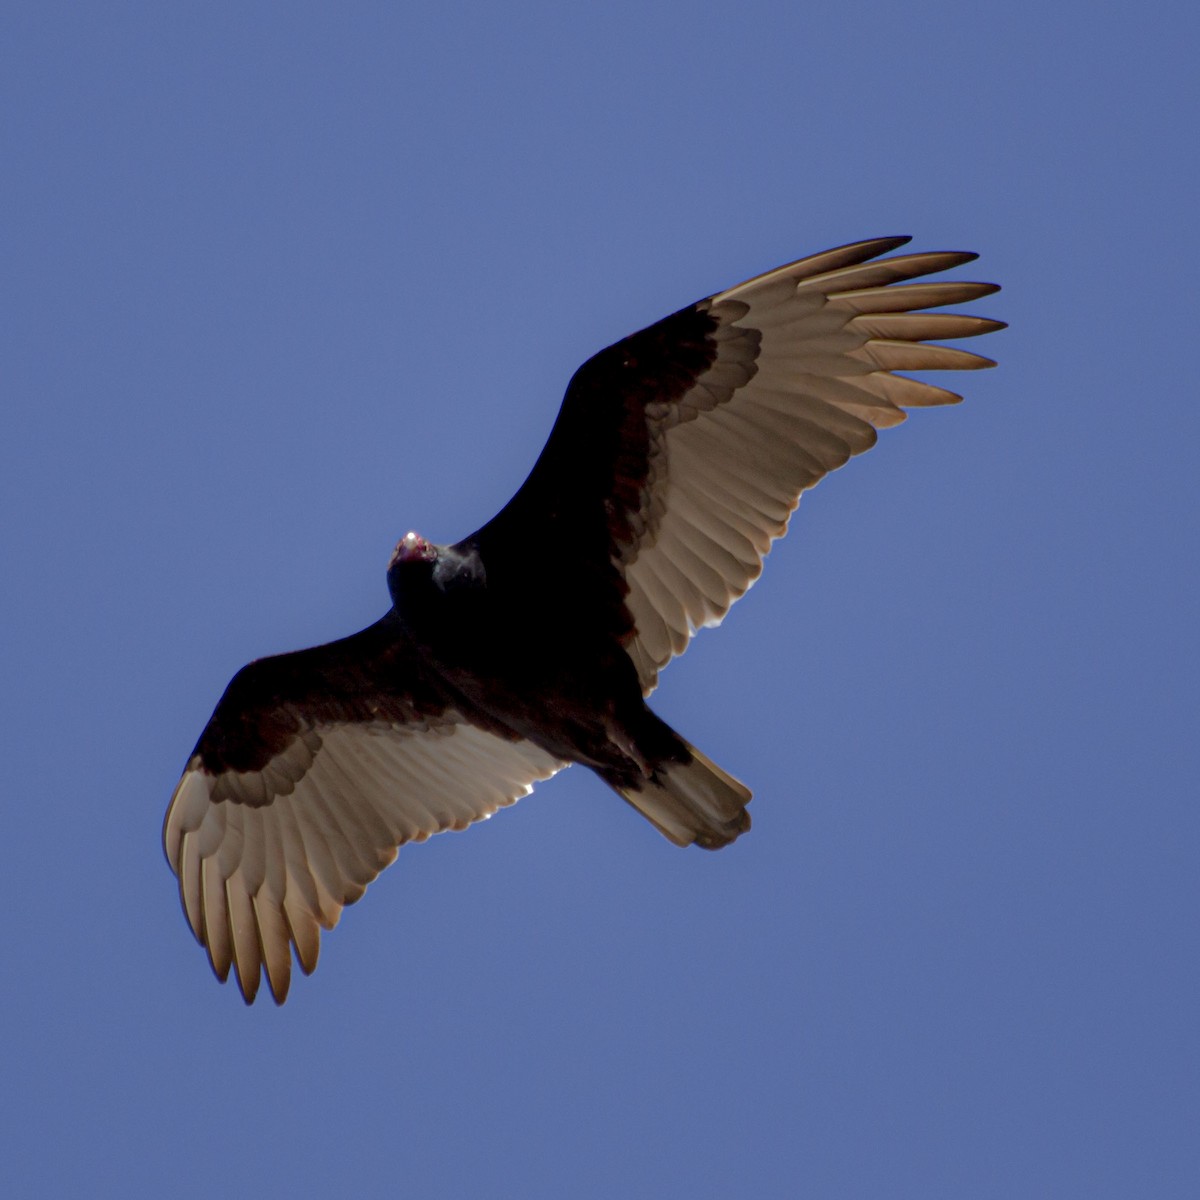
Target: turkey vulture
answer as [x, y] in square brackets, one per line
[677, 457]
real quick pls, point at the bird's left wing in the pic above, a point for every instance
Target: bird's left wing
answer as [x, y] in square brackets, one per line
[313, 770]
[680, 453]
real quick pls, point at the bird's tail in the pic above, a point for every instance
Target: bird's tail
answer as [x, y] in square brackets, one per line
[693, 802]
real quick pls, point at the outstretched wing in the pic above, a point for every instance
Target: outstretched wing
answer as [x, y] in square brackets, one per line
[680, 453]
[313, 770]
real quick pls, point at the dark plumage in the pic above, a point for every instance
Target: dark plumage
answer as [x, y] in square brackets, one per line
[677, 457]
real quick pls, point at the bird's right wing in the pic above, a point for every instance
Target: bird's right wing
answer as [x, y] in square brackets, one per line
[680, 452]
[313, 770]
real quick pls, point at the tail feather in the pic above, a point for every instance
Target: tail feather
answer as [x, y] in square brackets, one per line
[693, 803]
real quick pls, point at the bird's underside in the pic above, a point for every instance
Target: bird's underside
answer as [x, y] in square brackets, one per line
[677, 458]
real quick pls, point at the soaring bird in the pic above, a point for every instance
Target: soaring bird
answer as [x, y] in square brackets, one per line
[676, 459]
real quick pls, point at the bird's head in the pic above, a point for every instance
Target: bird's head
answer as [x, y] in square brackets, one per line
[420, 571]
[410, 569]
[413, 548]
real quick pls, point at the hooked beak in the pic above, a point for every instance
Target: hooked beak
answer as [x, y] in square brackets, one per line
[412, 547]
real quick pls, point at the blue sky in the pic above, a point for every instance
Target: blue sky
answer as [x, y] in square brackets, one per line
[284, 281]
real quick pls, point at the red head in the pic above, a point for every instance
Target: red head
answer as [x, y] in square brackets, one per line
[412, 547]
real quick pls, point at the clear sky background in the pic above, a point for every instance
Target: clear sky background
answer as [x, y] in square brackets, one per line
[284, 280]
